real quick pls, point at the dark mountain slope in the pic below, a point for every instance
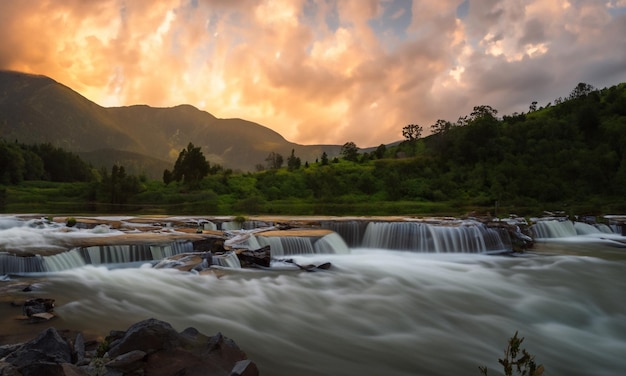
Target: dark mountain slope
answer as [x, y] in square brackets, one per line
[37, 109]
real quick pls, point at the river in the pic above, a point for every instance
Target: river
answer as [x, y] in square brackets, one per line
[378, 311]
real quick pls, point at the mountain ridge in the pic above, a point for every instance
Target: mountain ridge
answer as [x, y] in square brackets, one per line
[38, 109]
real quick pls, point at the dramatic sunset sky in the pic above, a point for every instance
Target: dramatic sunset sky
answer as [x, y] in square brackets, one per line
[320, 71]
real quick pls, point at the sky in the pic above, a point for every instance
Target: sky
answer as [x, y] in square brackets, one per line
[320, 71]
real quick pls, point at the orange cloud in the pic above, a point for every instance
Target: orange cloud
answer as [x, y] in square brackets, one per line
[316, 71]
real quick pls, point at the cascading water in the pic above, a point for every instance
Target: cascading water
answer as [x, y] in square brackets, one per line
[553, 229]
[287, 245]
[228, 260]
[162, 251]
[463, 237]
[351, 231]
[10, 263]
[117, 254]
[71, 259]
[331, 243]
[281, 246]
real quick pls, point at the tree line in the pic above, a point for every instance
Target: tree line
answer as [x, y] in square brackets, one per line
[572, 152]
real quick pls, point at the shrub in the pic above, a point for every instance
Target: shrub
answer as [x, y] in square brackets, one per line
[524, 365]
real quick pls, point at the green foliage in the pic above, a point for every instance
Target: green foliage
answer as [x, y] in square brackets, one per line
[350, 151]
[71, 222]
[571, 154]
[20, 162]
[274, 161]
[517, 359]
[412, 132]
[191, 167]
[293, 162]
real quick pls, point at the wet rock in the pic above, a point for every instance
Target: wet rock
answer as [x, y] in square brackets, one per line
[36, 306]
[149, 336]
[49, 347]
[150, 347]
[260, 257]
[8, 369]
[128, 362]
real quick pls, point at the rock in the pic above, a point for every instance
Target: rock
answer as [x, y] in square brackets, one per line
[128, 362]
[185, 262]
[79, 348]
[150, 347]
[38, 305]
[259, 257]
[244, 368]
[8, 369]
[7, 349]
[48, 347]
[149, 336]
[52, 369]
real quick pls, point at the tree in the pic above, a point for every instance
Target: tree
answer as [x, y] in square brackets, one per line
[293, 162]
[350, 151]
[483, 111]
[380, 151]
[581, 90]
[440, 127]
[274, 161]
[412, 132]
[324, 159]
[190, 167]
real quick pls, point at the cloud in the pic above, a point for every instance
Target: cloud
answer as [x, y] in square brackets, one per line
[320, 71]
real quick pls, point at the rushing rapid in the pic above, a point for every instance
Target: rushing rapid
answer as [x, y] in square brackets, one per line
[400, 299]
[377, 312]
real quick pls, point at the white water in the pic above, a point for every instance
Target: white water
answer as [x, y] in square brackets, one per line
[378, 312]
[456, 237]
[375, 312]
[281, 246]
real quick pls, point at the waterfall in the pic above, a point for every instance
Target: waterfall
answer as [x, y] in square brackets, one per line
[464, 237]
[553, 229]
[251, 225]
[287, 245]
[351, 231]
[252, 243]
[116, 254]
[71, 259]
[228, 260]
[403, 236]
[161, 251]
[231, 226]
[604, 228]
[301, 245]
[10, 263]
[331, 243]
[210, 226]
[585, 229]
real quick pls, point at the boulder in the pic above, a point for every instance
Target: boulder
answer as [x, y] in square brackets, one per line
[155, 347]
[149, 336]
[48, 348]
[150, 347]
[37, 306]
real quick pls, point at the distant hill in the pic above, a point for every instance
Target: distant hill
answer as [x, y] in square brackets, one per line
[37, 109]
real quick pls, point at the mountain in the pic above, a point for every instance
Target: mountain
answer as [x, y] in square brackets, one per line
[37, 109]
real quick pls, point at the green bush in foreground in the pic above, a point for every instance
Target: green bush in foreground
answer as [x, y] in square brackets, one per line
[524, 365]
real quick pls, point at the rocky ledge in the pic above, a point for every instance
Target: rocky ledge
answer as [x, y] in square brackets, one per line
[150, 347]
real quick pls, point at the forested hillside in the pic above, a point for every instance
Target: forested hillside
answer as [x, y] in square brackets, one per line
[567, 155]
